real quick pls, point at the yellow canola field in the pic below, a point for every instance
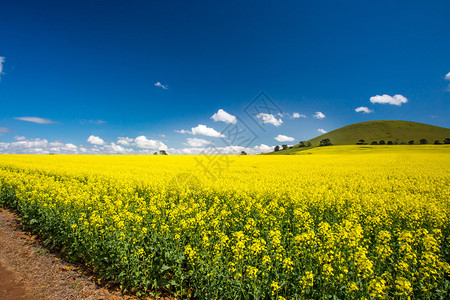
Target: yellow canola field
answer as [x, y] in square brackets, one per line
[349, 221]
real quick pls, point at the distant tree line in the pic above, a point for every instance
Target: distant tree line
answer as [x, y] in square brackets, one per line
[327, 142]
[302, 144]
[383, 142]
[283, 147]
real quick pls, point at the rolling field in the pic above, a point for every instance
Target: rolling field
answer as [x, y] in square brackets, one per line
[350, 221]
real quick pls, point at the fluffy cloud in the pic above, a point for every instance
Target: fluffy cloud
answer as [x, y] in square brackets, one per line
[322, 130]
[37, 146]
[95, 140]
[447, 77]
[364, 110]
[228, 150]
[263, 148]
[223, 116]
[386, 99]
[125, 141]
[35, 120]
[139, 142]
[42, 146]
[4, 130]
[115, 149]
[195, 142]
[159, 84]
[183, 131]
[143, 142]
[203, 130]
[284, 138]
[2, 60]
[297, 116]
[269, 119]
[319, 115]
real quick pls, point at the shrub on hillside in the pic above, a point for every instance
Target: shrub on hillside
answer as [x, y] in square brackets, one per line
[361, 142]
[325, 142]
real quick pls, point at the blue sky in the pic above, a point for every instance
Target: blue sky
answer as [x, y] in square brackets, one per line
[139, 76]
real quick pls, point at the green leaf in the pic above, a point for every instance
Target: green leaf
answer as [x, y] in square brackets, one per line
[165, 268]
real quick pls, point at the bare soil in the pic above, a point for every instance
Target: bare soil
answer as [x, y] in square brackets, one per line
[29, 271]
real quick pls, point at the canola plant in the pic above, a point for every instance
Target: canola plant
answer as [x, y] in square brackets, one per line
[340, 222]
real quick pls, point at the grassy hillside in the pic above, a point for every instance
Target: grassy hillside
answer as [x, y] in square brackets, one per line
[395, 131]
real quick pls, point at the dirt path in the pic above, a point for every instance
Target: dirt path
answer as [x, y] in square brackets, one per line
[9, 289]
[29, 271]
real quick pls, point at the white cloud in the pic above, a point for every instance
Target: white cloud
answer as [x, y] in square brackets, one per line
[262, 148]
[108, 149]
[42, 146]
[269, 119]
[322, 130]
[37, 146]
[447, 77]
[35, 120]
[69, 148]
[228, 150]
[115, 149]
[159, 84]
[297, 116]
[223, 116]
[386, 99]
[2, 60]
[203, 130]
[95, 140]
[143, 142]
[195, 142]
[284, 138]
[364, 110]
[183, 131]
[319, 115]
[4, 130]
[125, 141]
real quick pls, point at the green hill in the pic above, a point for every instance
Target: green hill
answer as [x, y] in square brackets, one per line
[395, 131]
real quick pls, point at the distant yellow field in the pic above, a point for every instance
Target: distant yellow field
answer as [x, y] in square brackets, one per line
[350, 221]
